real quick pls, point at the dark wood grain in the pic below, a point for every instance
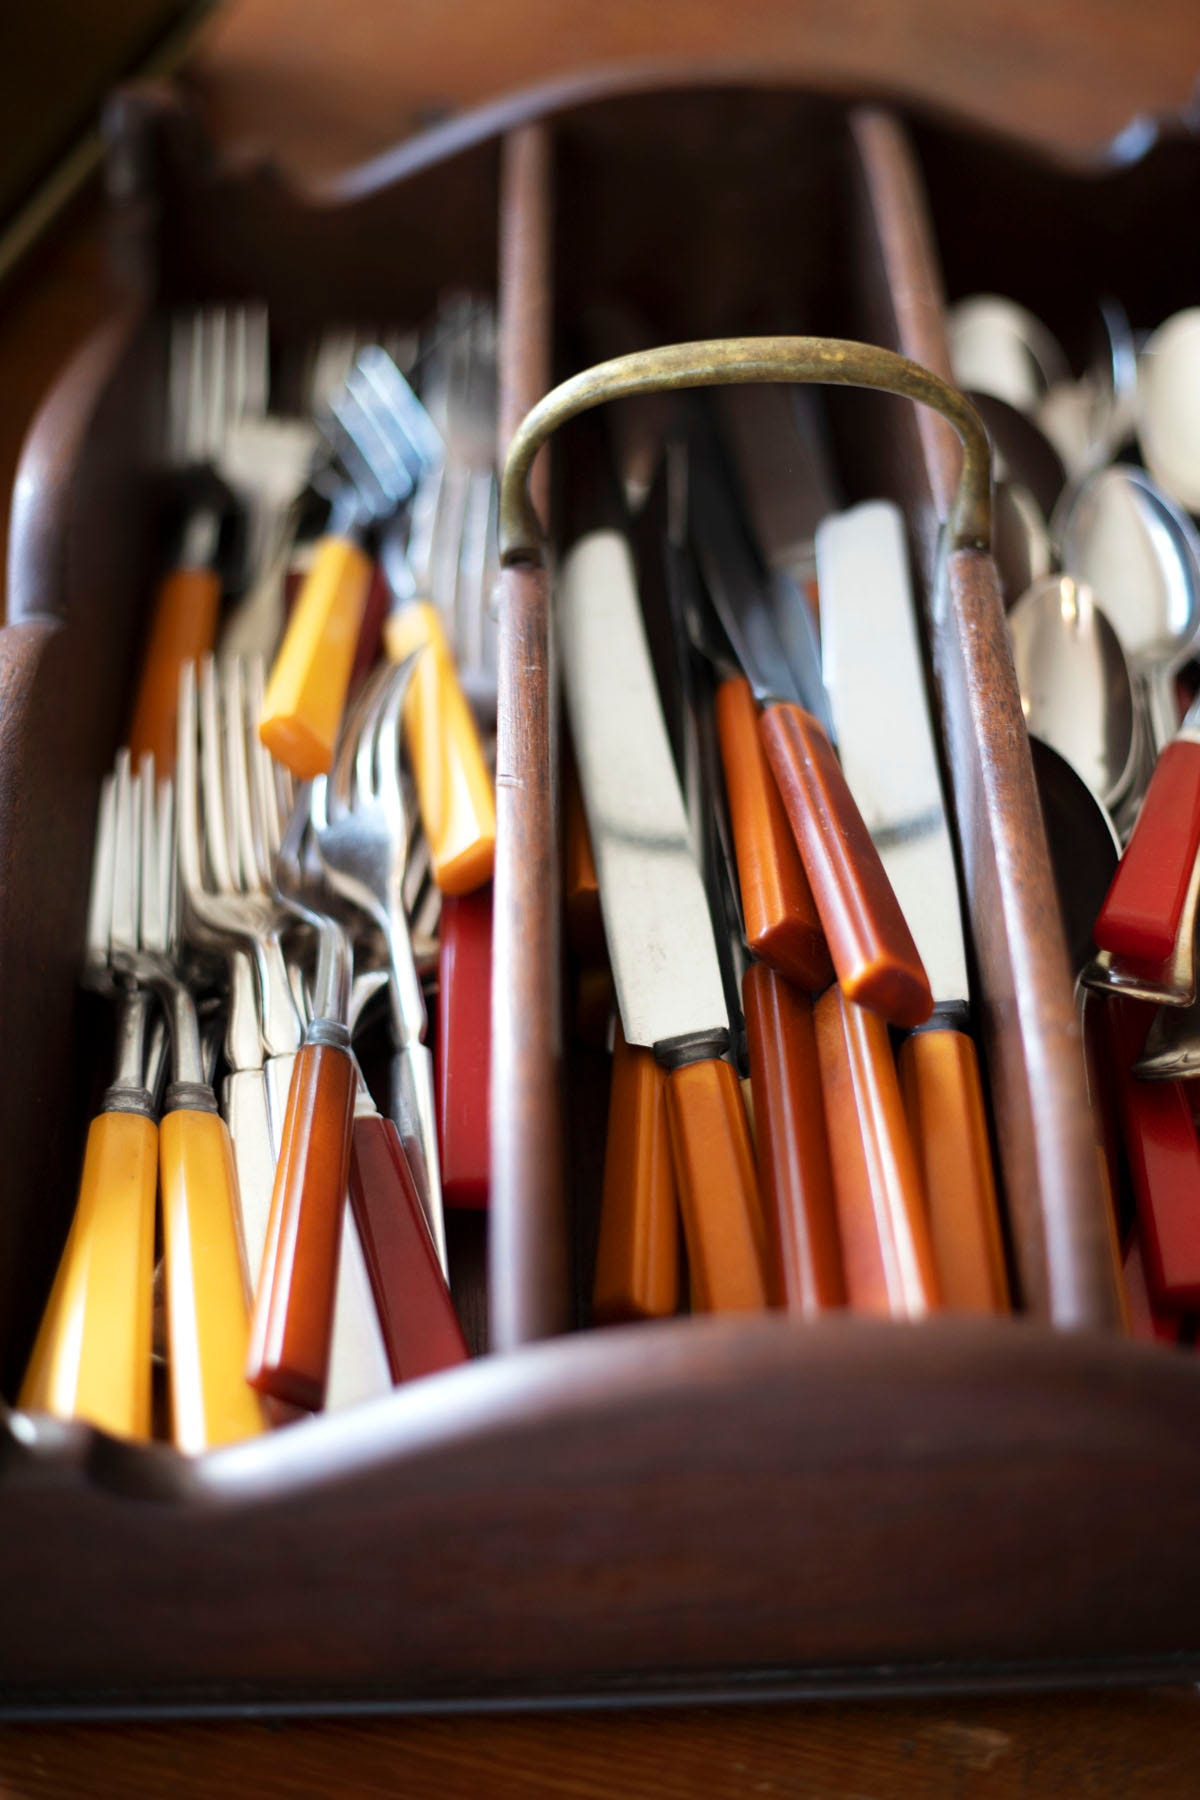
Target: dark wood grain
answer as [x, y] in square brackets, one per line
[527, 1241]
[1030, 1497]
[1111, 1746]
[1057, 1205]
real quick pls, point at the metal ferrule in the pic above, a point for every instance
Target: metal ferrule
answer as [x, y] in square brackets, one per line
[726, 362]
[328, 1031]
[947, 1015]
[129, 1072]
[190, 1096]
[697, 1046]
[129, 1100]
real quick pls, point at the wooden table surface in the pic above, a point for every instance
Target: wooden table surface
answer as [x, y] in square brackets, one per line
[323, 85]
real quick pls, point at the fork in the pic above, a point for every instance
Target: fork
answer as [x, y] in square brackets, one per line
[92, 1355]
[231, 830]
[204, 1263]
[360, 826]
[288, 1354]
[217, 379]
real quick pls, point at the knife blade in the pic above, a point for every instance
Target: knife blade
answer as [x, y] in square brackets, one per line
[657, 922]
[873, 670]
[869, 940]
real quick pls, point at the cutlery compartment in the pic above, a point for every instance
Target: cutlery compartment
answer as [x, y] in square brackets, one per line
[571, 1518]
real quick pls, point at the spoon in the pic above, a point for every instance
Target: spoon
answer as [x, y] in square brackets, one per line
[1088, 420]
[1168, 411]
[1021, 451]
[1076, 688]
[1084, 847]
[1020, 540]
[1119, 534]
[999, 348]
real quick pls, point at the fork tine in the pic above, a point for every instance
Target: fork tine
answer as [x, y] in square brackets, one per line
[100, 893]
[244, 854]
[214, 800]
[123, 928]
[387, 747]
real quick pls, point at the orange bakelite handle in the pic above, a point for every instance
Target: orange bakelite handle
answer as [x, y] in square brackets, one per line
[887, 1252]
[718, 1189]
[455, 794]
[183, 629]
[288, 1355]
[207, 1316]
[420, 1326]
[302, 708]
[91, 1358]
[872, 948]
[783, 926]
[804, 1259]
[637, 1257]
[943, 1099]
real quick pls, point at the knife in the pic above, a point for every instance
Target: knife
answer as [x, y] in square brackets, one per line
[735, 808]
[873, 671]
[660, 936]
[872, 948]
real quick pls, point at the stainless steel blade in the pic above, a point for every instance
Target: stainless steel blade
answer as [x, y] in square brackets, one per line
[741, 591]
[656, 917]
[876, 684]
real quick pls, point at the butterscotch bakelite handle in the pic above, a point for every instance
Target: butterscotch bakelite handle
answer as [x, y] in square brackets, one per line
[91, 1358]
[804, 1259]
[306, 693]
[877, 962]
[288, 1352]
[637, 1256]
[183, 630]
[943, 1100]
[207, 1314]
[455, 795]
[783, 927]
[887, 1252]
[416, 1313]
[718, 1188]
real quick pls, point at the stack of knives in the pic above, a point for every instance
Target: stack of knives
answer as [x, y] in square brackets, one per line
[794, 1076]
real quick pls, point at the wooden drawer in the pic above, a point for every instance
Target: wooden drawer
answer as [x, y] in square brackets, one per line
[706, 1505]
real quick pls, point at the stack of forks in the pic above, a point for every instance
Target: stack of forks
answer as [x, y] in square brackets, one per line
[220, 879]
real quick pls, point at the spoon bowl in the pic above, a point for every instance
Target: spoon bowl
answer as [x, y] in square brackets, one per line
[1076, 688]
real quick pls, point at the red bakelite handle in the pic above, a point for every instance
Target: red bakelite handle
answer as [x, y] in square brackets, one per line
[420, 1326]
[463, 1050]
[1142, 910]
[1164, 1162]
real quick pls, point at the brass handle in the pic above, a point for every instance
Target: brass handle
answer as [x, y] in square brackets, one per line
[729, 362]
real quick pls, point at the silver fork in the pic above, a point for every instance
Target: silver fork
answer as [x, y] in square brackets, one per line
[92, 1356]
[360, 823]
[293, 1314]
[217, 379]
[204, 1263]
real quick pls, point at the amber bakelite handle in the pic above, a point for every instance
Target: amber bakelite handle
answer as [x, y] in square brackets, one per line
[207, 1314]
[943, 1099]
[455, 794]
[637, 1257]
[91, 1359]
[417, 1316]
[718, 1188]
[782, 924]
[872, 948]
[293, 1313]
[804, 1259]
[302, 708]
[887, 1252]
[183, 630]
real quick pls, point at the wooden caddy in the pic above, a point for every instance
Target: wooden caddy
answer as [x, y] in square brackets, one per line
[711, 1505]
